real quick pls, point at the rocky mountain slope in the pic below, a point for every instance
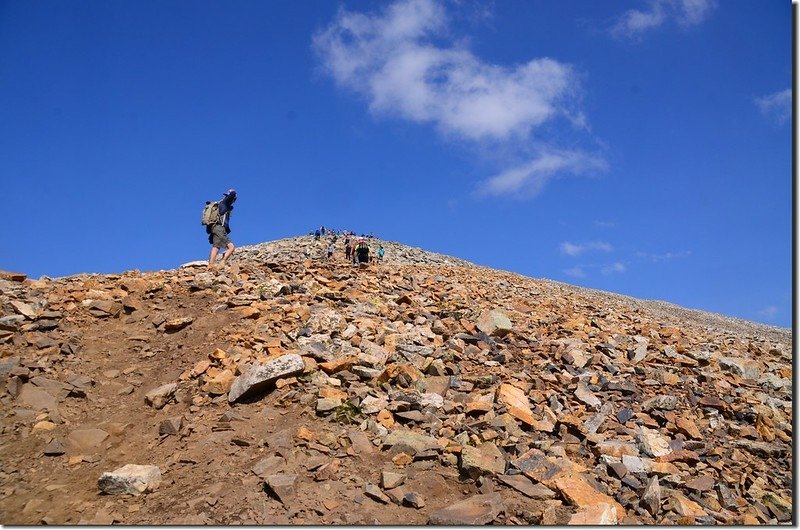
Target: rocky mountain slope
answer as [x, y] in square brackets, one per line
[423, 389]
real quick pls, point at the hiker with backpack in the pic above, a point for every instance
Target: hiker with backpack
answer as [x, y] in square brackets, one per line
[216, 218]
[361, 252]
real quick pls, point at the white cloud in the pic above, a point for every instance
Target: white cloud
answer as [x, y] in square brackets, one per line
[777, 105]
[604, 224]
[635, 22]
[406, 63]
[578, 272]
[666, 256]
[572, 249]
[614, 267]
[693, 12]
[390, 59]
[529, 179]
[769, 311]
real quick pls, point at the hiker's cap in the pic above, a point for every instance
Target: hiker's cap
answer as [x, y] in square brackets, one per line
[231, 192]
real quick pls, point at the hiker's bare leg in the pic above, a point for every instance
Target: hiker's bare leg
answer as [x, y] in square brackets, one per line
[213, 256]
[228, 252]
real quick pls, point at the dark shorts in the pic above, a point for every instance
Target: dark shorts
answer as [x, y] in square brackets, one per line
[218, 237]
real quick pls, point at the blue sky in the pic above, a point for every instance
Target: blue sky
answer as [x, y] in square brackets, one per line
[640, 147]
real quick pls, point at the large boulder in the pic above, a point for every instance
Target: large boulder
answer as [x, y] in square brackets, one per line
[260, 376]
[132, 479]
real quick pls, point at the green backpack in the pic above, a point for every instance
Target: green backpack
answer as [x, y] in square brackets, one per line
[210, 213]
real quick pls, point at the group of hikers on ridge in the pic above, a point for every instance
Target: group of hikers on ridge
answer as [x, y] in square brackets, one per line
[217, 215]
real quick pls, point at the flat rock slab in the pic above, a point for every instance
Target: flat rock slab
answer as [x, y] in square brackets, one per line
[416, 441]
[517, 402]
[525, 486]
[259, 377]
[494, 323]
[130, 479]
[479, 509]
[486, 459]
[580, 493]
[283, 486]
[37, 398]
[87, 439]
[599, 514]
[159, 397]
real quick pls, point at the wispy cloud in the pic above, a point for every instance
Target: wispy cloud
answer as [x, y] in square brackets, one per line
[604, 224]
[572, 249]
[529, 179]
[407, 64]
[777, 105]
[665, 256]
[768, 312]
[617, 267]
[577, 272]
[634, 23]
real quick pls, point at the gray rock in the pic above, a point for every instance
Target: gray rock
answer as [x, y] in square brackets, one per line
[414, 500]
[366, 374]
[662, 402]
[416, 441]
[485, 459]
[170, 425]
[37, 398]
[374, 492]
[203, 280]
[360, 443]
[634, 464]
[476, 510]
[747, 368]
[327, 404]
[51, 386]
[159, 397]
[585, 395]
[132, 479]
[524, 485]
[325, 320]
[494, 323]
[7, 364]
[391, 480]
[54, 448]
[267, 466]
[11, 322]
[651, 443]
[651, 498]
[259, 377]
[282, 486]
[397, 494]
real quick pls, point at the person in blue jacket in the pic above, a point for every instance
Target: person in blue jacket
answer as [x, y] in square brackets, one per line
[218, 232]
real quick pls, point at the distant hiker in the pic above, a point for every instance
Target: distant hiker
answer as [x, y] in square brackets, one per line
[347, 248]
[316, 235]
[362, 252]
[330, 249]
[322, 230]
[380, 253]
[218, 227]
